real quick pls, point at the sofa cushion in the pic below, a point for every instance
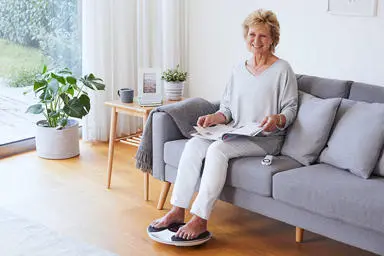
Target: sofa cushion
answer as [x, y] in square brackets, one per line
[357, 137]
[173, 150]
[333, 193]
[245, 172]
[309, 133]
[249, 174]
[379, 168]
[324, 87]
[370, 93]
[366, 92]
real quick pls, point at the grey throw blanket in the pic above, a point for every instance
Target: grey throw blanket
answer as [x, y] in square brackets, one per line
[184, 113]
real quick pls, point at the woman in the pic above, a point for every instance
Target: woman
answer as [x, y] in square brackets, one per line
[261, 89]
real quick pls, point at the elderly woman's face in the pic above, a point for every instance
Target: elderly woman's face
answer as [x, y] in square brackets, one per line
[259, 39]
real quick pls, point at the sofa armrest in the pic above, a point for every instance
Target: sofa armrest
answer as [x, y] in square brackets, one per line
[163, 129]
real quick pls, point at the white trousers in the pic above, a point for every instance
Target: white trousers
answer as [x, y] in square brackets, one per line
[217, 155]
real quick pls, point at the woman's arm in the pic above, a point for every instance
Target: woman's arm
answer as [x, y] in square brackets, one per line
[226, 101]
[211, 119]
[288, 99]
[288, 104]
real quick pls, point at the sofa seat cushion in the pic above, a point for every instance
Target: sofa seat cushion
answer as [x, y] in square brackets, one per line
[245, 172]
[249, 174]
[333, 193]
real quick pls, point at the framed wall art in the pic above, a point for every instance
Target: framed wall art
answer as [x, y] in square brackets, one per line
[366, 8]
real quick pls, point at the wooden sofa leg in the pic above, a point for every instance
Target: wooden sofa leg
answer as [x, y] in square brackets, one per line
[163, 195]
[299, 235]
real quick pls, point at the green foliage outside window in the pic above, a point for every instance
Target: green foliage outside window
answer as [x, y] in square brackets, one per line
[51, 26]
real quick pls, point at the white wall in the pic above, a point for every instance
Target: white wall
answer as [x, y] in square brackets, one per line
[312, 40]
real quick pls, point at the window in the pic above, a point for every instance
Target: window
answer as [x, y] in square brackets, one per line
[33, 33]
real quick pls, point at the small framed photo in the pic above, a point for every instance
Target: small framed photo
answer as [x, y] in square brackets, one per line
[150, 89]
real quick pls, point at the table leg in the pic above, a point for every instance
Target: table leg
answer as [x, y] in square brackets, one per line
[146, 174]
[112, 136]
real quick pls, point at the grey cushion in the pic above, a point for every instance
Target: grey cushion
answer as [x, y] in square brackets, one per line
[309, 133]
[379, 169]
[245, 172]
[249, 174]
[173, 151]
[367, 93]
[357, 138]
[324, 87]
[333, 193]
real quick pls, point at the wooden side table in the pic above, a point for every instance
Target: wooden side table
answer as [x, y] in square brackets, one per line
[132, 109]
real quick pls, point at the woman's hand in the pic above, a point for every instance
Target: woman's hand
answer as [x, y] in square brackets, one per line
[270, 123]
[211, 119]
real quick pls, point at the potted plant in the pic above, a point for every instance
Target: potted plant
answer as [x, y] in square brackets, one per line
[61, 95]
[174, 83]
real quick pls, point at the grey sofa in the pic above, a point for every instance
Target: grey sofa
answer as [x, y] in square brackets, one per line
[319, 197]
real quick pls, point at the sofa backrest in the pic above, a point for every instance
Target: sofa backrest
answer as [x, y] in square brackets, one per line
[324, 87]
[366, 92]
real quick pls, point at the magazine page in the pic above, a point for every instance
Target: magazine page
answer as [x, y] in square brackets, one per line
[249, 129]
[222, 132]
[213, 132]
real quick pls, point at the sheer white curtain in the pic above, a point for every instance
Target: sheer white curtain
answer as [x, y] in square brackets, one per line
[120, 36]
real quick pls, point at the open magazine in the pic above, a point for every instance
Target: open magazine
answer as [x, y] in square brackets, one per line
[224, 132]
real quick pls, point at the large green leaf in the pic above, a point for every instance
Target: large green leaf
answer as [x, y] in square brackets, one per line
[87, 83]
[75, 108]
[99, 86]
[71, 91]
[92, 82]
[64, 97]
[39, 84]
[71, 80]
[86, 102]
[35, 109]
[60, 79]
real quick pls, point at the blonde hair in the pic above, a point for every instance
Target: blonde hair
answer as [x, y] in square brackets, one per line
[264, 17]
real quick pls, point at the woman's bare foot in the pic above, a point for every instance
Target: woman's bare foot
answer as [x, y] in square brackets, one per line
[193, 228]
[175, 215]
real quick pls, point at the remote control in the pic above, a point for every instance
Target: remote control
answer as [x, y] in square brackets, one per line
[267, 160]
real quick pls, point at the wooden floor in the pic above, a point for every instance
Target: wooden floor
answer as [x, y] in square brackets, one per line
[70, 197]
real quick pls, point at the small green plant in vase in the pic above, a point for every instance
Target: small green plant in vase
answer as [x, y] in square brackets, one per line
[174, 83]
[61, 95]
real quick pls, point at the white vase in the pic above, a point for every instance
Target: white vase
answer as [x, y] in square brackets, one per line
[52, 143]
[174, 90]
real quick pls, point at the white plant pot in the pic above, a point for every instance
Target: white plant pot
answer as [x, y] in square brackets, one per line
[52, 143]
[174, 90]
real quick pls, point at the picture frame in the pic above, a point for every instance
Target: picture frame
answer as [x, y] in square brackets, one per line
[150, 89]
[365, 8]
